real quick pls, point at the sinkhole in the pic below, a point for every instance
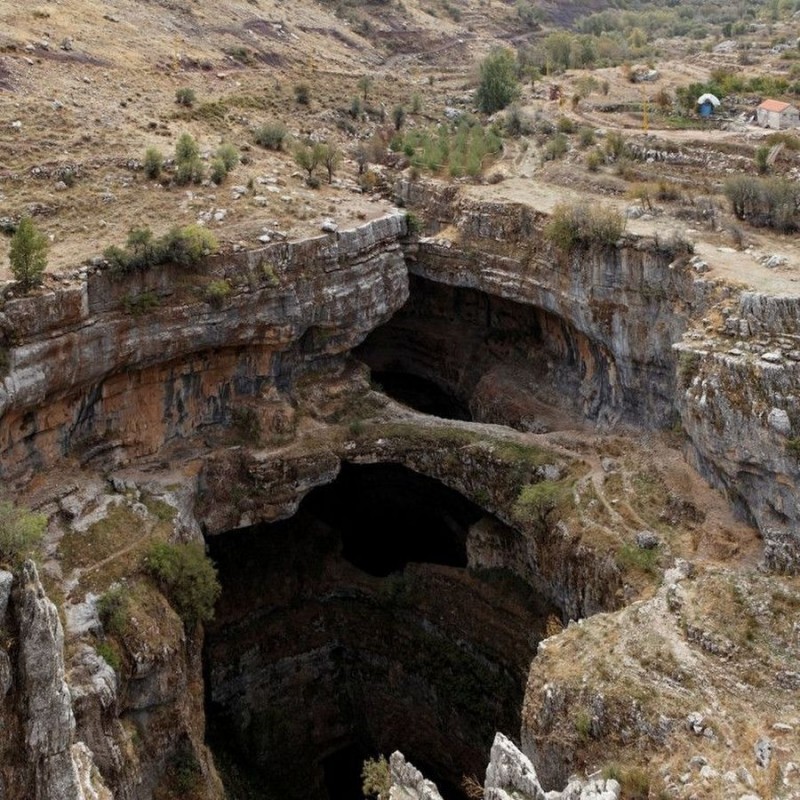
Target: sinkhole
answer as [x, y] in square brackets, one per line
[463, 354]
[359, 626]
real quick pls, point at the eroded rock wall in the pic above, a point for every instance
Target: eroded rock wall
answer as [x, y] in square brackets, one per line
[739, 405]
[631, 302]
[125, 364]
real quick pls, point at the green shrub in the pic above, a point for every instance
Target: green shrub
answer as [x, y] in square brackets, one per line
[540, 504]
[271, 135]
[189, 245]
[187, 577]
[398, 116]
[113, 608]
[516, 123]
[565, 125]
[556, 147]
[594, 160]
[153, 162]
[631, 557]
[109, 653]
[498, 86]
[185, 97]
[217, 292]
[765, 202]
[582, 225]
[228, 155]
[140, 303]
[375, 777]
[218, 171]
[413, 223]
[793, 447]
[302, 94]
[186, 148]
[586, 136]
[635, 782]
[28, 254]
[616, 146]
[20, 531]
[189, 172]
[762, 159]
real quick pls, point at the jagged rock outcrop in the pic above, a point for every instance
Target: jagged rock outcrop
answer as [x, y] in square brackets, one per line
[407, 782]
[60, 767]
[509, 776]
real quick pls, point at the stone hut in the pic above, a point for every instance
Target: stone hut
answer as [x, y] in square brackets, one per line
[777, 115]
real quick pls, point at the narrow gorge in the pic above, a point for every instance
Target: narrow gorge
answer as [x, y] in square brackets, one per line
[446, 473]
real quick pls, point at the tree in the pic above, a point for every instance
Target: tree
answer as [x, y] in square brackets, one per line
[331, 158]
[28, 254]
[498, 81]
[365, 84]
[308, 157]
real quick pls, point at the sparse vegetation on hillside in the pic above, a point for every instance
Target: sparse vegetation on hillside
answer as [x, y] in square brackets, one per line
[186, 246]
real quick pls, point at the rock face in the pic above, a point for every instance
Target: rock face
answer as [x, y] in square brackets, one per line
[89, 374]
[56, 765]
[739, 405]
[618, 309]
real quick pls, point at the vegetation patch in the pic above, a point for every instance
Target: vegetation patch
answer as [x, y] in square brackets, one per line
[187, 578]
[21, 531]
[579, 225]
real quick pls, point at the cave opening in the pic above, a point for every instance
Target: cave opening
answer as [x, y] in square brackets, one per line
[463, 354]
[358, 626]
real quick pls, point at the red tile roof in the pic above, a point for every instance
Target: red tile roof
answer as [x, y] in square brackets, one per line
[774, 105]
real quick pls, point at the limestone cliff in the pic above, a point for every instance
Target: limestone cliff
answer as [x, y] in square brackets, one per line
[90, 372]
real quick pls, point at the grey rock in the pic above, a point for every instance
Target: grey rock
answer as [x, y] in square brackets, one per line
[6, 579]
[510, 773]
[5, 675]
[778, 420]
[763, 752]
[408, 783]
[66, 43]
[329, 226]
[745, 777]
[49, 723]
[647, 540]
[772, 356]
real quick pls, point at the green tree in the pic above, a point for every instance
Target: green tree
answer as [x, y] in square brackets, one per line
[309, 157]
[498, 81]
[188, 166]
[153, 162]
[186, 149]
[28, 254]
